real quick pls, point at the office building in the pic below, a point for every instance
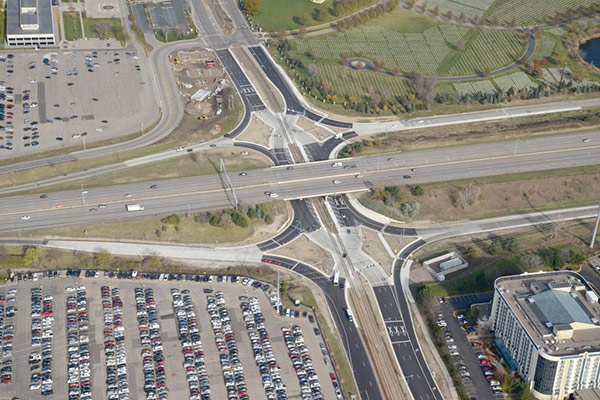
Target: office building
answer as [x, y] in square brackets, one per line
[549, 325]
[29, 23]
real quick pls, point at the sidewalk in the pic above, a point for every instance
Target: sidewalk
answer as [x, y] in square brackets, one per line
[236, 254]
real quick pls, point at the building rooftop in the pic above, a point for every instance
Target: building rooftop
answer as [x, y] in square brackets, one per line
[559, 310]
[42, 17]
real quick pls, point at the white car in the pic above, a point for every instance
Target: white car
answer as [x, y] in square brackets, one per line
[34, 386]
[33, 81]
[33, 105]
[586, 140]
[179, 149]
[337, 182]
[25, 217]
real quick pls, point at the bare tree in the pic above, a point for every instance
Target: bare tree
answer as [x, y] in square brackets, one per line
[102, 28]
[425, 88]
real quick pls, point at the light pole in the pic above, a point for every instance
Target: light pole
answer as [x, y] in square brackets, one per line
[595, 230]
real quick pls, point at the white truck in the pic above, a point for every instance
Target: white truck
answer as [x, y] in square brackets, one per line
[134, 207]
[349, 314]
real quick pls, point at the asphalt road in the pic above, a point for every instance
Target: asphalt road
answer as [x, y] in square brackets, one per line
[400, 330]
[359, 360]
[304, 221]
[293, 104]
[302, 181]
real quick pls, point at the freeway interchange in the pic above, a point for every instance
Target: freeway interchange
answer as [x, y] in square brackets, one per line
[52, 207]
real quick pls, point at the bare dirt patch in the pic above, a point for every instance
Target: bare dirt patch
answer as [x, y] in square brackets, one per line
[373, 247]
[308, 251]
[257, 132]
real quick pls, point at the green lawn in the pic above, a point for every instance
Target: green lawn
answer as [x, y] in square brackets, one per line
[174, 36]
[529, 12]
[72, 23]
[283, 14]
[113, 28]
[2, 27]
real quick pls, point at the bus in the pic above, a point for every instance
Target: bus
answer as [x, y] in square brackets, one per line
[336, 278]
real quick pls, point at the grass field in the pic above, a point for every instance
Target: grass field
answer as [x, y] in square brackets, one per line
[529, 12]
[72, 23]
[283, 14]
[89, 25]
[174, 36]
[2, 24]
[152, 228]
[420, 45]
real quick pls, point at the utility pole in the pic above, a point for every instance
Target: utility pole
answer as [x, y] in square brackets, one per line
[595, 230]
[516, 145]
[224, 169]
[562, 75]
[278, 297]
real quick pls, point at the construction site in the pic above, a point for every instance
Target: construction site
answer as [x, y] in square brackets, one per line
[201, 81]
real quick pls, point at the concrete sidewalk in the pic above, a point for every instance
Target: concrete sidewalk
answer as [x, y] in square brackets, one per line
[236, 254]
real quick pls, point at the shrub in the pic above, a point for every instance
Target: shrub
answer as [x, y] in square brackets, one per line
[171, 219]
[239, 219]
[417, 190]
[215, 220]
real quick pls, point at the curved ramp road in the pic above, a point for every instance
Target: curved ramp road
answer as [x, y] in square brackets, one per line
[357, 354]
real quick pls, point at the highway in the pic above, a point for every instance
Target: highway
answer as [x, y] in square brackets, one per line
[302, 181]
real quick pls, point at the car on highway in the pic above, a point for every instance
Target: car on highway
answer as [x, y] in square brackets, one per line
[413, 170]
[406, 176]
[155, 186]
[25, 217]
[43, 196]
[337, 182]
[586, 140]
[179, 148]
[243, 173]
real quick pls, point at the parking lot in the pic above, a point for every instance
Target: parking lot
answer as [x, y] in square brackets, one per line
[468, 357]
[60, 99]
[98, 337]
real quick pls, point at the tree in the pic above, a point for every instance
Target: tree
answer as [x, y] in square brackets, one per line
[301, 32]
[102, 28]
[252, 7]
[472, 315]
[449, 15]
[303, 19]
[338, 10]
[321, 15]
[436, 10]
[579, 73]
[425, 88]
[417, 190]
[103, 259]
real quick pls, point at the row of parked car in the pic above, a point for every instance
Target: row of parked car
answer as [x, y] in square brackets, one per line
[231, 366]
[191, 345]
[8, 312]
[79, 374]
[41, 336]
[302, 362]
[117, 387]
[262, 349]
[155, 379]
